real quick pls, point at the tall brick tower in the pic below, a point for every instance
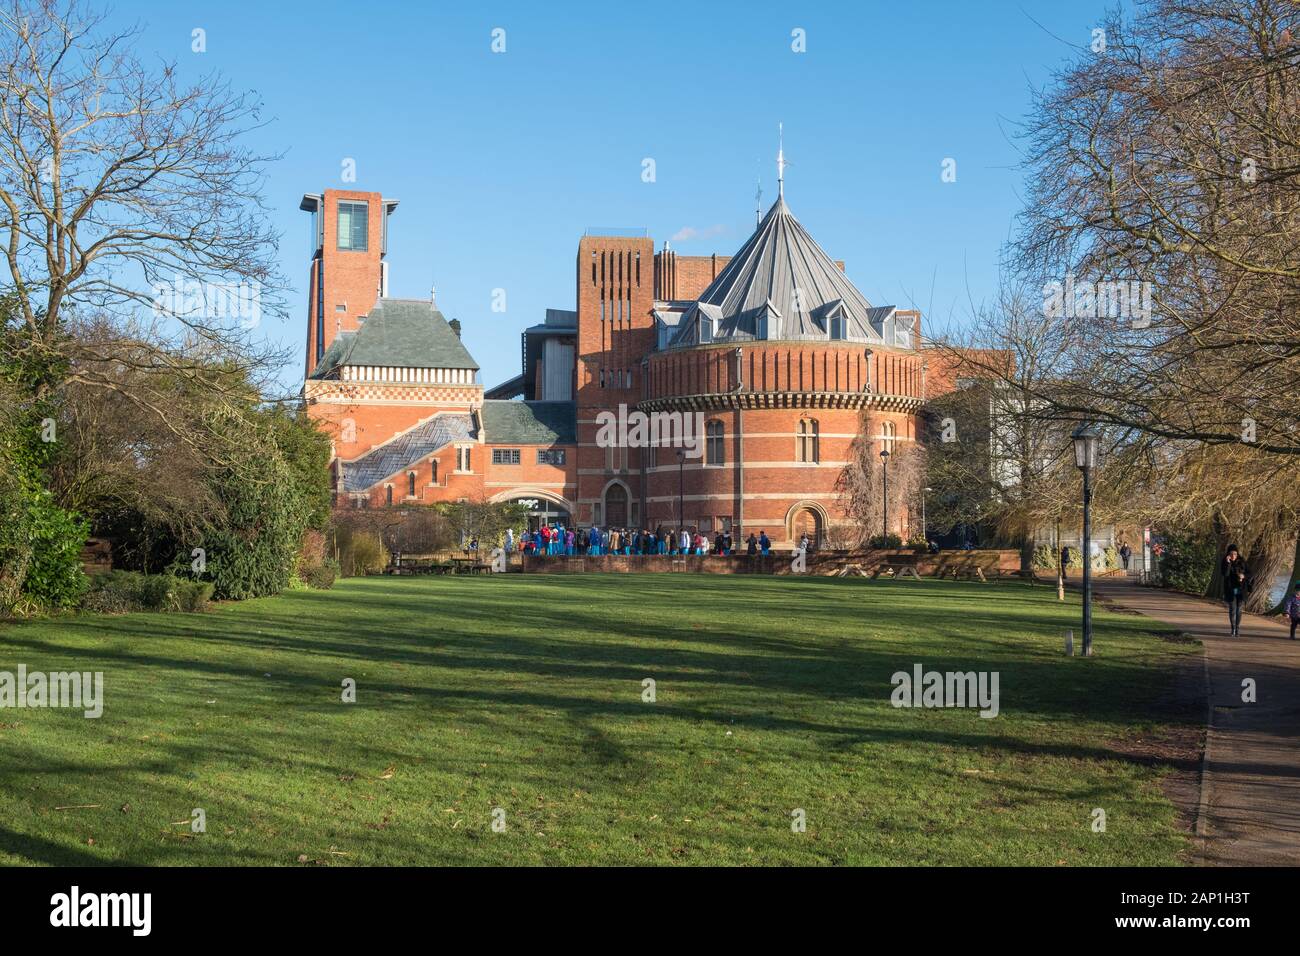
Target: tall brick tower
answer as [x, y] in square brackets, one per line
[615, 331]
[349, 234]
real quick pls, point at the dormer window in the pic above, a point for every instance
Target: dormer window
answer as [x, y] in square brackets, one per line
[839, 327]
[706, 329]
[903, 332]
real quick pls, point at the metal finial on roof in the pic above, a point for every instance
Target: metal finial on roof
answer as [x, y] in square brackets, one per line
[780, 161]
[758, 203]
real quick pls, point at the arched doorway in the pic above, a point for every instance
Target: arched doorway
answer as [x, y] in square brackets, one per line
[616, 506]
[543, 512]
[806, 521]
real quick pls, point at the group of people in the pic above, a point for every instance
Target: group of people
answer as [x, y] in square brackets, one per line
[555, 540]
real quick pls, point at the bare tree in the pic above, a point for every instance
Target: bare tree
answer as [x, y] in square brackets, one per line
[1000, 445]
[861, 488]
[1165, 192]
[125, 192]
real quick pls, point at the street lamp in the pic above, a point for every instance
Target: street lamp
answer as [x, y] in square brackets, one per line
[884, 481]
[925, 533]
[1085, 458]
[681, 490]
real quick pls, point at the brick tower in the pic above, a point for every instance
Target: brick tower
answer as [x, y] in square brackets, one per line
[349, 234]
[615, 299]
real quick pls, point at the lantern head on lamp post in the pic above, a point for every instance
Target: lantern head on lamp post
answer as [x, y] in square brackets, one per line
[1085, 439]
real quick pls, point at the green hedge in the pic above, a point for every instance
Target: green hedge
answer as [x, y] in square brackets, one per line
[121, 592]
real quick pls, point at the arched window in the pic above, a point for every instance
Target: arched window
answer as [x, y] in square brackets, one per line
[807, 446]
[433, 471]
[888, 436]
[411, 484]
[714, 452]
[388, 494]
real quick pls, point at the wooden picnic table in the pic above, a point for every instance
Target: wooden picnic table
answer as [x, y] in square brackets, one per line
[899, 565]
[470, 565]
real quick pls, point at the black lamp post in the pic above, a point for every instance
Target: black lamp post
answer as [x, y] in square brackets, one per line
[1085, 457]
[681, 490]
[884, 482]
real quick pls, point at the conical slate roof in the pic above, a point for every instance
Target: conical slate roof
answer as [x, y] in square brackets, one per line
[782, 285]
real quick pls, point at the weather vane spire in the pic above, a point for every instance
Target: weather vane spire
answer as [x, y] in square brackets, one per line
[780, 161]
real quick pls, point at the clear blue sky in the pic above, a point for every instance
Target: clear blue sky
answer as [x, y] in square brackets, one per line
[500, 161]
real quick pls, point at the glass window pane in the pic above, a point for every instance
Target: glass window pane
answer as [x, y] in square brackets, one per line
[353, 222]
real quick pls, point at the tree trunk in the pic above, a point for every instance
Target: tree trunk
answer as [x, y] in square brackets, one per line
[1291, 579]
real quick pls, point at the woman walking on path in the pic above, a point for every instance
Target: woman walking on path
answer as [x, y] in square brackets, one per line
[1236, 582]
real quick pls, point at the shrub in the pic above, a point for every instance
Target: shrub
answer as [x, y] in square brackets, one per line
[1045, 558]
[1188, 562]
[193, 595]
[1112, 561]
[121, 592]
[54, 576]
[890, 541]
[320, 575]
[368, 553]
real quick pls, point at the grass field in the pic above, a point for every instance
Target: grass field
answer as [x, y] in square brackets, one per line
[524, 693]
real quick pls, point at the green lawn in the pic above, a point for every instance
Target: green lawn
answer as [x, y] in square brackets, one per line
[525, 693]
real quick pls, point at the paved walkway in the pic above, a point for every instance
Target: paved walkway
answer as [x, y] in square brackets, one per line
[1250, 788]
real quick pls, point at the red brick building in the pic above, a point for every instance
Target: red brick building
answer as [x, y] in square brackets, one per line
[770, 357]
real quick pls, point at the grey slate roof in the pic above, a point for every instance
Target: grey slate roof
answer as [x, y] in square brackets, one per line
[530, 423]
[402, 333]
[761, 279]
[329, 360]
[406, 449]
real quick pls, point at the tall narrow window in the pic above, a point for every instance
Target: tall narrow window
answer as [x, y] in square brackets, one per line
[411, 484]
[806, 441]
[888, 435]
[713, 447]
[388, 495]
[354, 219]
[433, 471]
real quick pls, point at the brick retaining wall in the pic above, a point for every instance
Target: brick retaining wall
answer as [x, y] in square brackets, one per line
[822, 562]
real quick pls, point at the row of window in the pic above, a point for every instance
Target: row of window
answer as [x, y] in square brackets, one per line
[807, 450]
[545, 456]
[615, 378]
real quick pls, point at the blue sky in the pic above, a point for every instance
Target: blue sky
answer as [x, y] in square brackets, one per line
[502, 160]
